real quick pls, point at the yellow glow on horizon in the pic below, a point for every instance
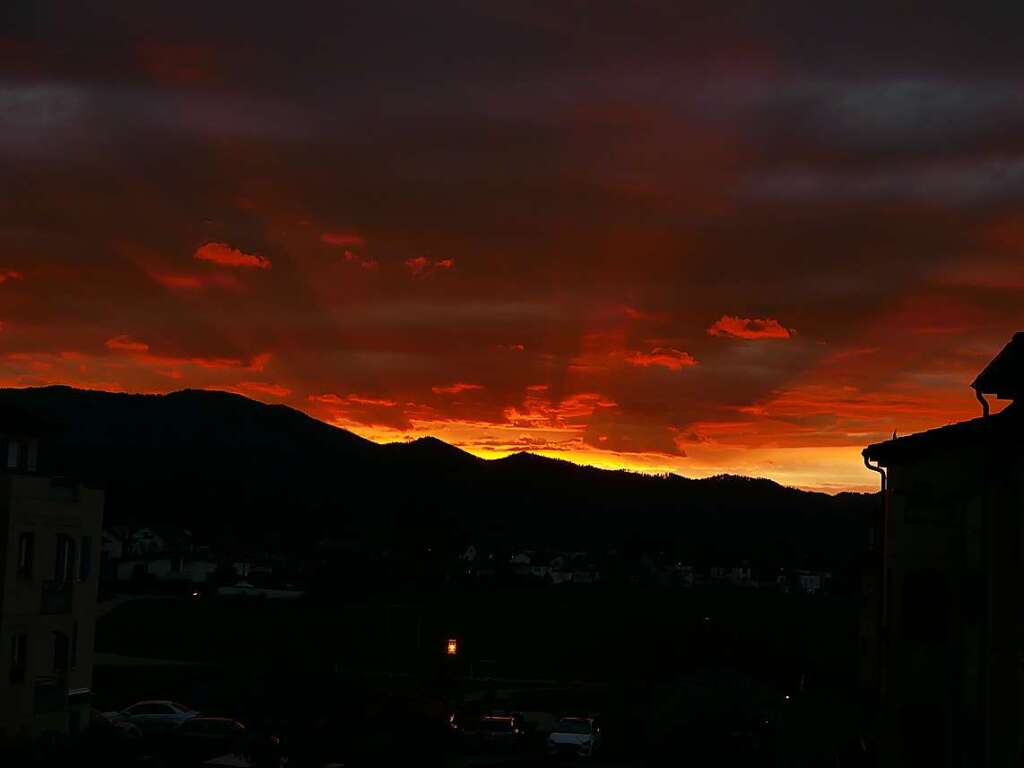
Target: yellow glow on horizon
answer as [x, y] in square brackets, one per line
[798, 466]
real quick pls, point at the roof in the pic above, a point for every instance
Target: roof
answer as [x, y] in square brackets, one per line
[1004, 376]
[1000, 432]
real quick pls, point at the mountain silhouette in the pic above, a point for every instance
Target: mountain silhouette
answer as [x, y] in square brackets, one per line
[230, 468]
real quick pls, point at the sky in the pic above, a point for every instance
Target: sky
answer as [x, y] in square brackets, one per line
[729, 237]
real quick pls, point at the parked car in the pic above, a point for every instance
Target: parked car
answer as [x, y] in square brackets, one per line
[109, 743]
[503, 733]
[577, 736]
[202, 738]
[154, 717]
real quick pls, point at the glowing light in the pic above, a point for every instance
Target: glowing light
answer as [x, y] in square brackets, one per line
[453, 647]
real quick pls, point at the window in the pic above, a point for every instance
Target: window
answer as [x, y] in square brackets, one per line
[85, 563]
[176, 564]
[13, 452]
[64, 565]
[73, 653]
[19, 658]
[33, 456]
[925, 601]
[61, 649]
[26, 554]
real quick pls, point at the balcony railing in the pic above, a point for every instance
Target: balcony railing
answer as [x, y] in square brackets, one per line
[56, 597]
[51, 694]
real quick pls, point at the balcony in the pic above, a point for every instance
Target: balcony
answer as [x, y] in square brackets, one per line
[56, 597]
[51, 694]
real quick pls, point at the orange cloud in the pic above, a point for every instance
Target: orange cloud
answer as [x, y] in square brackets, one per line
[332, 399]
[354, 411]
[421, 266]
[570, 412]
[263, 388]
[664, 357]
[126, 343]
[749, 328]
[226, 256]
[455, 389]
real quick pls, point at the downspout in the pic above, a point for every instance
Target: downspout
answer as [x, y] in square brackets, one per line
[883, 588]
[880, 470]
[883, 524]
[982, 400]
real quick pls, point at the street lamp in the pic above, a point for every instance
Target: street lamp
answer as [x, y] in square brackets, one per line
[453, 647]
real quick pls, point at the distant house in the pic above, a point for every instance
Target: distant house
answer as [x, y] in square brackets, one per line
[683, 575]
[245, 589]
[587, 574]
[178, 568]
[114, 547]
[523, 558]
[153, 540]
[813, 582]
[736, 575]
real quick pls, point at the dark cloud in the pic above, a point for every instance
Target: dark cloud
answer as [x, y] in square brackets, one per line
[552, 203]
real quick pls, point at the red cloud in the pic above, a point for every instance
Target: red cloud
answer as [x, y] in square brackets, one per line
[352, 244]
[126, 343]
[421, 265]
[455, 389]
[638, 314]
[263, 388]
[418, 265]
[194, 282]
[339, 400]
[367, 411]
[665, 357]
[344, 239]
[226, 256]
[749, 328]
[377, 401]
[9, 274]
[571, 412]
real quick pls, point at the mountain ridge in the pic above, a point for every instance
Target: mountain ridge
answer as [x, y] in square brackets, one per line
[233, 467]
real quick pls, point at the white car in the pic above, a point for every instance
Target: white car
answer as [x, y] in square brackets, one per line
[154, 716]
[579, 736]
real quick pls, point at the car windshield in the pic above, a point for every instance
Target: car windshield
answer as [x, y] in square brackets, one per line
[573, 725]
[180, 707]
[496, 725]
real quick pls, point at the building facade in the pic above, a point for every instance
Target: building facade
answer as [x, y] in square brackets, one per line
[943, 623]
[50, 538]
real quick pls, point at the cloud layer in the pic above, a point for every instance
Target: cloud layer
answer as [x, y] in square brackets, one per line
[693, 241]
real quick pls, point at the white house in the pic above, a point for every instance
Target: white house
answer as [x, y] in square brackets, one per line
[112, 547]
[152, 540]
[813, 582]
[176, 568]
[244, 589]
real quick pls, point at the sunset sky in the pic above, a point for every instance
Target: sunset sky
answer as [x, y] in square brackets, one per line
[750, 239]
